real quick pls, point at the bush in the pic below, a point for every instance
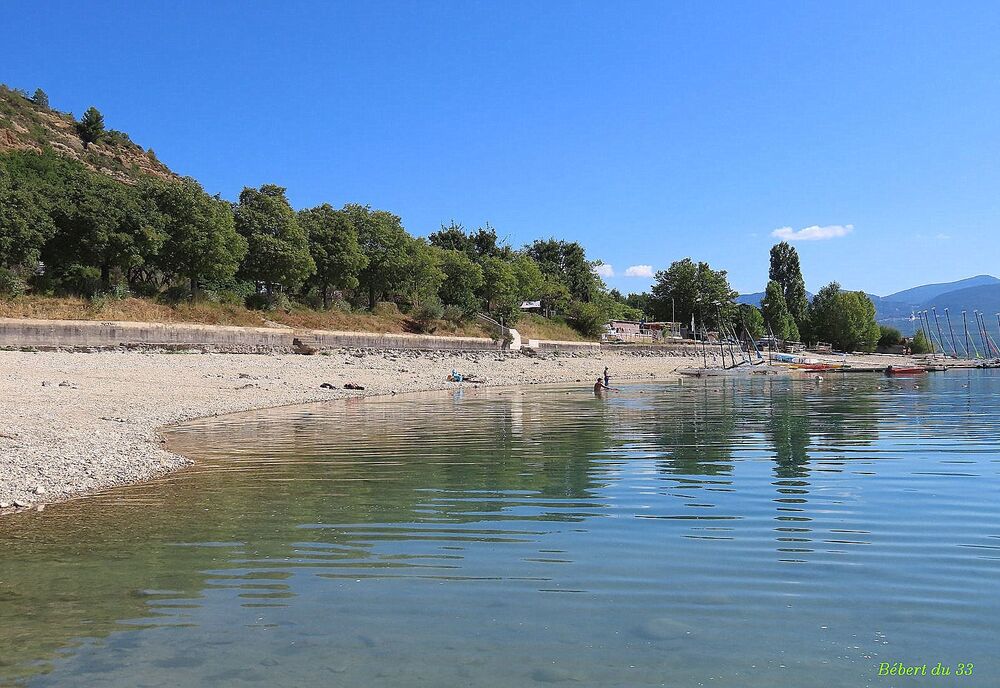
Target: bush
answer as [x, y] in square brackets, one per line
[889, 336]
[387, 308]
[587, 319]
[453, 314]
[11, 283]
[176, 294]
[340, 304]
[80, 280]
[268, 302]
[427, 313]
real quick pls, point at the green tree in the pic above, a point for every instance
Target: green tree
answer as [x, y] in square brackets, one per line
[463, 279]
[920, 345]
[785, 270]
[422, 273]
[752, 319]
[857, 328]
[41, 99]
[91, 126]
[453, 238]
[642, 302]
[566, 262]
[277, 246]
[100, 223]
[776, 315]
[201, 238]
[333, 244]
[500, 290]
[690, 289]
[822, 314]
[889, 336]
[385, 244]
[844, 319]
[530, 280]
[25, 223]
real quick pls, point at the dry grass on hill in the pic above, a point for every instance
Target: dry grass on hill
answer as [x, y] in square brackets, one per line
[207, 313]
[532, 326]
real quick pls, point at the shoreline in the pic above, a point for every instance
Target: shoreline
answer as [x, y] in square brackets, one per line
[73, 424]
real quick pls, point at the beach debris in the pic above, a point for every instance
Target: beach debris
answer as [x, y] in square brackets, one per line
[21, 504]
[114, 419]
[46, 383]
[246, 376]
[249, 385]
[353, 385]
[67, 383]
[40, 507]
[39, 490]
[327, 385]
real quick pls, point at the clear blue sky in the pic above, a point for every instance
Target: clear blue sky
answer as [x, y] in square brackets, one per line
[646, 131]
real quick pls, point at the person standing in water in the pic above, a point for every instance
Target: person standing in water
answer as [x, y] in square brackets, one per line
[599, 387]
[607, 378]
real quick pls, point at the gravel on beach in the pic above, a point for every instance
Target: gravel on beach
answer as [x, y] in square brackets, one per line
[75, 423]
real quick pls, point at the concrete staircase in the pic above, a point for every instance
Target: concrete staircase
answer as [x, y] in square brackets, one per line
[304, 343]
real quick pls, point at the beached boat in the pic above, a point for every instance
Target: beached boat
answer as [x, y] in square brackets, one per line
[894, 371]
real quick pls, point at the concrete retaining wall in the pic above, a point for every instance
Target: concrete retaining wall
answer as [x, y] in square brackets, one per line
[323, 339]
[544, 345]
[26, 333]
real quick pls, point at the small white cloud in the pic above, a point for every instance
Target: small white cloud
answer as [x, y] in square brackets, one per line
[639, 271]
[604, 270]
[814, 233]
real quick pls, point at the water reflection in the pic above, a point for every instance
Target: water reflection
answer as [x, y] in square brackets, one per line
[757, 532]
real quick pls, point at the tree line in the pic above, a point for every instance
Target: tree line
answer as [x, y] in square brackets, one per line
[691, 292]
[67, 230]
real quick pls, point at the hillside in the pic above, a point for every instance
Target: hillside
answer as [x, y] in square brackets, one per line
[926, 292]
[26, 125]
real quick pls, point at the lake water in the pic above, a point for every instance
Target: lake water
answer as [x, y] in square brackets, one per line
[756, 533]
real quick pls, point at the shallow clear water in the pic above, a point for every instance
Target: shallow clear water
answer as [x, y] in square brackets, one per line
[754, 533]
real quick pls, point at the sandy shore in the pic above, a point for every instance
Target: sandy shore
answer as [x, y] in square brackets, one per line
[73, 423]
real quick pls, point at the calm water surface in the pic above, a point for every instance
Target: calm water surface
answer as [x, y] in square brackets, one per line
[724, 533]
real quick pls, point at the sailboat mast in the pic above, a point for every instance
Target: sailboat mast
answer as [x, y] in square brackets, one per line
[968, 339]
[952, 331]
[937, 323]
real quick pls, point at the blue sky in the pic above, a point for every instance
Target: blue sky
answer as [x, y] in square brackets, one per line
[647, 131]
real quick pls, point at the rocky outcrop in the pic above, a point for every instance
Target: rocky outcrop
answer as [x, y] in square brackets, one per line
[27, 126]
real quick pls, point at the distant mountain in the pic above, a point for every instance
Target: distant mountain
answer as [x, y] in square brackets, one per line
[755, 298]
[752, 299]
[926, 292]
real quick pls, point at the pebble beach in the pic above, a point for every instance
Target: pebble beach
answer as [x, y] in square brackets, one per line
[75, 423]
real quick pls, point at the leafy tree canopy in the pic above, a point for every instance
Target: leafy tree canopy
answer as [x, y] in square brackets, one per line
[691, 289]
[278, 248]
[785, 270]
[333, 244]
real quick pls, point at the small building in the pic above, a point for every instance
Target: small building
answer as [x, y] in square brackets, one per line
[640, 331]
